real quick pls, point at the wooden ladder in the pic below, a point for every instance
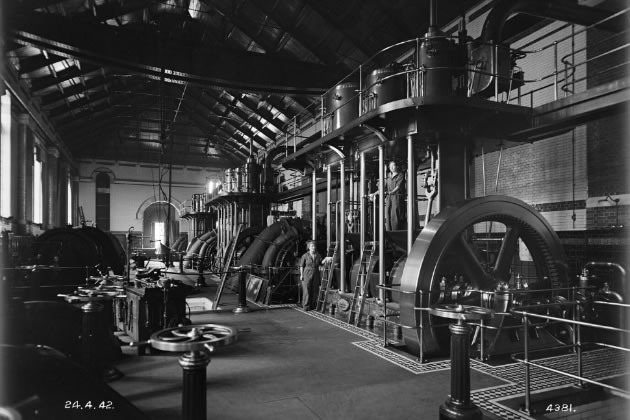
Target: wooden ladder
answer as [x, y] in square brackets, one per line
[226, 266]
[324, 286]
[361, 287]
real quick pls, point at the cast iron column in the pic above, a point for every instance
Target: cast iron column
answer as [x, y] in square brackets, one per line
[52, 205]
[458, 405]
[328, 211]
[194, 366]
[314, 206]
[25, 174]
[342, 225]
[381, 221]
[91, 334]
[242, 293]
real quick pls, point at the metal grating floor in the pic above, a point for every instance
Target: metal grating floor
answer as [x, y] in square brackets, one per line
[597, 364]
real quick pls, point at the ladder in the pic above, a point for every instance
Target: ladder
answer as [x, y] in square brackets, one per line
[324, 286]
[361, 287]
[225, 266]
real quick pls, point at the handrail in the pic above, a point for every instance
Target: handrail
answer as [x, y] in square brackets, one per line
[576, 345]
[410, 51]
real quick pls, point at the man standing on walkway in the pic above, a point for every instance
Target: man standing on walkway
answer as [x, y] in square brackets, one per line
[394, 198]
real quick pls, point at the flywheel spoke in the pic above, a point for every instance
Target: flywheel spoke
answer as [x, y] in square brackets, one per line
[506, 253]
[470, 262]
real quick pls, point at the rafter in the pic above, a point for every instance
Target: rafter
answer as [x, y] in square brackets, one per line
[186, 63]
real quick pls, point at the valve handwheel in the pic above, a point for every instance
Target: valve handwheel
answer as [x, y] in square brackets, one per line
[193, 337]
[462, 312]
[197, 341]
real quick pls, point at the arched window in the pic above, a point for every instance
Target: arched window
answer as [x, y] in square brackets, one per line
[154, 224]
[102, 201]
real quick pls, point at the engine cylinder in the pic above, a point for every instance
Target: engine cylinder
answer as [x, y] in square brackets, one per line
[253, 176]
[384, 85]
[342, 105]
[442, 65]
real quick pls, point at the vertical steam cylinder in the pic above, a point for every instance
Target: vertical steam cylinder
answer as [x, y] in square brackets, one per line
[342, 103]
[253, 175]
[384, 86]
[442, 65]
[228, 180]
[239, 180]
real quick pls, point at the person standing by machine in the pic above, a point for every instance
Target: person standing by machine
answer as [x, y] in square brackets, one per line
[310, 263]
[394, 198]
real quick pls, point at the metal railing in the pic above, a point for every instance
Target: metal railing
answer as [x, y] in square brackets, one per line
[562, 76]
[577, 345]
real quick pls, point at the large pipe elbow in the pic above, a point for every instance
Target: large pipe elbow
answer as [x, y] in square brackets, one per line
[561, 10]
[256, 251]
[610, 265]
[269, 260]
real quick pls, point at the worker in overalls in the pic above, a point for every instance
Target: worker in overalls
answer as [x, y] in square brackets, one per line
[394, 198]
[310, 264]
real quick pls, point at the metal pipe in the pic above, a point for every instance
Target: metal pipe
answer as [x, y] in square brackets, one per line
[362, 200]
[314, 207]
[328, 204]
[555, 70]
[578, 344]
[342, 225]
[411, 194]
[381, 220]
[432, 13]
[495, 72]
[603, 264]
[562, 10]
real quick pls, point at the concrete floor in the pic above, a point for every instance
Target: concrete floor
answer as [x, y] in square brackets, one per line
[292, 364]
[289, 366]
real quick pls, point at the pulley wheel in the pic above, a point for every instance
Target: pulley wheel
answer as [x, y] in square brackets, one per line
[484, 240]
[193, 337]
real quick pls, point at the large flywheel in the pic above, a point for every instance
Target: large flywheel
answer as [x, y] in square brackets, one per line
[483, 243]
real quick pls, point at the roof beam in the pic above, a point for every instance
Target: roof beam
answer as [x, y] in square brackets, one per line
[123, 48]
[46, 82]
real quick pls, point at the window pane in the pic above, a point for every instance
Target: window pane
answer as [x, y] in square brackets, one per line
[69, 202]
[5, 156]
[158, 229]
[37, 187]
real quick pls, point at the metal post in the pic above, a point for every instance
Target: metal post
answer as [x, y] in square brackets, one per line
[321, 104]
[294, 134]
[411, 194]
[482, 354]
[459, 405]
[342, 226]
[242, 293]
[91, 336]
[555, 70]
[362, 201]
[314, 207]
[194, 366]
[381, 221]
[360, 90]
[385, 323]
[578, 344]
[527, 367]
[419, 332]
[495, 71]
[328, 204]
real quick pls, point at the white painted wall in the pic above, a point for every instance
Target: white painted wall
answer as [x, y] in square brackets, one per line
[135, 186]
